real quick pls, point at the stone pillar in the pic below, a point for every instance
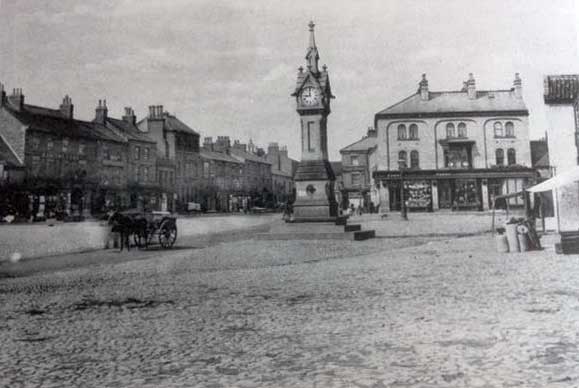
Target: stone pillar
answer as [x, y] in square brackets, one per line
[485, 194]
[434, 191]
[384, 198]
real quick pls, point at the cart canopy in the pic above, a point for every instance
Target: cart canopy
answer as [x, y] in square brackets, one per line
[563, 179]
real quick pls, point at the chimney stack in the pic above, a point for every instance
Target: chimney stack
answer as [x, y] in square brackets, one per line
[471, 87]
[129, 116]
[208, 143]
[67, 108]
[155, 111]
[222, 144]
[101, 112]
[16, 99]
[518, 86]
[371, 132]
[423, 88]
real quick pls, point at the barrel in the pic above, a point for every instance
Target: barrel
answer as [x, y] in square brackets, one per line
[502, 243]
[512, 238]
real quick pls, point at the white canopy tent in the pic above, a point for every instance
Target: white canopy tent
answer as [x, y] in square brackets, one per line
[557, 181]
[564, 179]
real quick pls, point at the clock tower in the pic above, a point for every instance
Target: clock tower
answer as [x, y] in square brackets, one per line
[314, 178]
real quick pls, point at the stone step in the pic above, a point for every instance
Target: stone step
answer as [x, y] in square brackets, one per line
[364, 235]
[352, 228]
[342, 220]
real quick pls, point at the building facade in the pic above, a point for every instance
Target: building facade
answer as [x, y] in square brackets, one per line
[356, 174]
[282, 171]
[453, 150]
[562, 106]
[178, 162]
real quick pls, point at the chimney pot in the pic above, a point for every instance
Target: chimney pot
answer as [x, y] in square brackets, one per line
[471, 87]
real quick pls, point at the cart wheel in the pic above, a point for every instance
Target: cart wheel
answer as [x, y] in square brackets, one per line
[167, 235]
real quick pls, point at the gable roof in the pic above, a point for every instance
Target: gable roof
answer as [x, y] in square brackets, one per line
[220, 156]
[561, 89]
[7, 154]
[365, 144]
[128, 130]
[40, 119]
[172, 123]
[456, 102]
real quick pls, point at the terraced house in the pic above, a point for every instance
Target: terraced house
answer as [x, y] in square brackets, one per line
[454, 149]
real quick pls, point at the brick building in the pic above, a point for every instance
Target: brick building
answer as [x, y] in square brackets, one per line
[178, 162]
[356, 174]
[561, 101]
[282, 171]
[65, 162]
[453, 149]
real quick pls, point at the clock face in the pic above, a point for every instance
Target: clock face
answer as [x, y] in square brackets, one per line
[310, 96]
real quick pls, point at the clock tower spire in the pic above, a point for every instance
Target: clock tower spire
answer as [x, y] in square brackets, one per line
[314, 177]
[312, 56]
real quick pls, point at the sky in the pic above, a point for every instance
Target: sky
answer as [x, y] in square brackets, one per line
[228, 67]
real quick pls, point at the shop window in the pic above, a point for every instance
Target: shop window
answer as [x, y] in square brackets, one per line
[414, 162]
[498, 126]
[137, 153]
[511, 156]
[509, 129]
[402, 132]
[461, 130]
[355, 161]
[413, 132]
[450, 132]
[402, 161]
[500, 156]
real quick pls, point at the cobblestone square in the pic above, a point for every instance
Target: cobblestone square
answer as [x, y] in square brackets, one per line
[428, 311]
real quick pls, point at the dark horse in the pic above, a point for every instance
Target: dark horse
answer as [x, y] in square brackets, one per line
[127, 226]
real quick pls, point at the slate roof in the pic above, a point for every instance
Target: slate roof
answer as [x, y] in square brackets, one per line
[365, 144]
[172, 123]
[220, 156]
[129, 130]
[248, 156]
[561, 89]
[337, 167]
[455, 102]
[7, 155]
[539, 153]
[36, 120]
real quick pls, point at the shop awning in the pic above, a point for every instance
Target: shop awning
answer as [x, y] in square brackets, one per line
[563, 179]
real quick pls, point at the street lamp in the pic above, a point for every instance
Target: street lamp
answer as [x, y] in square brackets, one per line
[402, 168]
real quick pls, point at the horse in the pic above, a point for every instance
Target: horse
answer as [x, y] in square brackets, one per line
[128, 226]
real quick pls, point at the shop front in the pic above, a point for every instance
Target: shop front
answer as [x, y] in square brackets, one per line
[465, 190]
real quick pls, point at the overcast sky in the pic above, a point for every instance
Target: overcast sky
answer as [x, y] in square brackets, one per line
[229, 67]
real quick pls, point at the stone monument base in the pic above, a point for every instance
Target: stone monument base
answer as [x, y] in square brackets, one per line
[315, 201]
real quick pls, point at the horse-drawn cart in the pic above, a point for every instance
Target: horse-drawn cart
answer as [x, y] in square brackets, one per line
[145, 228]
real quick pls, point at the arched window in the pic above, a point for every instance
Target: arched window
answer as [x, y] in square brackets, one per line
[511, 156]
[402, 132]
[450, 130]
[402, 159]
[414, 162]
[413, 131]
[509, 129]
[500, 157]
[498, 129]
[461, 130]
